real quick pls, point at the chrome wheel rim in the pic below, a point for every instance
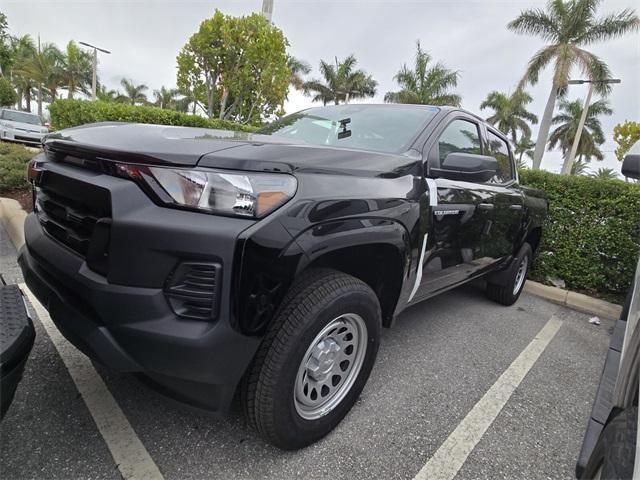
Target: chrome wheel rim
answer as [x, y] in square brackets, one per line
[330, 366]
[521, 274]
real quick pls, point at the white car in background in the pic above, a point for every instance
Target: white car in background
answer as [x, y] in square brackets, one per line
[23, 127]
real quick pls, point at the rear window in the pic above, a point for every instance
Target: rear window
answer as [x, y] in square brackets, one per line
[22, 117]
[379, 128]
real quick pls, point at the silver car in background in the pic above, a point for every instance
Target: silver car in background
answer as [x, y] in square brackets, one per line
[610, 444]
[23, 127]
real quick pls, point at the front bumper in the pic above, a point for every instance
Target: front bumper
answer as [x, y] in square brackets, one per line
[123, 319]
[22, 136]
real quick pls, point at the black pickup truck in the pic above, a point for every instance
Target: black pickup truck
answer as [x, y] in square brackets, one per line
[267, 263]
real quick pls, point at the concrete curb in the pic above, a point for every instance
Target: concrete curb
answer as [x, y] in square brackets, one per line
[12, 217]
[574, 300]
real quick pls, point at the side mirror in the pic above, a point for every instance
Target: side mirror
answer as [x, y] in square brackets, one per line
[631, 162]
[466, 167]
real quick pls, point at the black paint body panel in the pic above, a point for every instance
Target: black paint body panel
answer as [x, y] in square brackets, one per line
[368, 214]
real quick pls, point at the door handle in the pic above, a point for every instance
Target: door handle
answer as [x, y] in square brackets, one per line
[485, 206]
[515, 207]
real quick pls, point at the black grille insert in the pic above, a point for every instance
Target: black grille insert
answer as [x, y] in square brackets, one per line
[192, 290]
[69, 211]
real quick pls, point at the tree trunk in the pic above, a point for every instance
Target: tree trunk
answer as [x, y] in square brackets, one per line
[40, 101]
[27, 99]
[223, 102]
[545, 126]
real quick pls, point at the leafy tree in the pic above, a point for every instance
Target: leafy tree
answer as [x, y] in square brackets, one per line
[8, 95]
[524, 146]
[425, 84]
[166, 97]
[605, 174]
[236, 67]
[567, 26]
[510, 113]
[77, 70]
[592, 135]
[625, 135]
[298, 68]
[341, 82]
[5, 44]
[133, 94]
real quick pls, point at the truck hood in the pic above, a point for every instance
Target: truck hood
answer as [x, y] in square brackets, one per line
[188, 147]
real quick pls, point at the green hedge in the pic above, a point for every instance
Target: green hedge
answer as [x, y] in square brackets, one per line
[591, 238]
[70, 113]
[13, 166]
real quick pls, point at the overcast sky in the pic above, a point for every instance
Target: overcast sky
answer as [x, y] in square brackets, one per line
[470, 36]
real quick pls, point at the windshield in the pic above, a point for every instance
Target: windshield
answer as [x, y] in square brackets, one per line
[22, 117]
[380, 128]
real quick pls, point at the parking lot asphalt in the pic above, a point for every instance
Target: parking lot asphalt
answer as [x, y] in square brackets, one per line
[434, 365]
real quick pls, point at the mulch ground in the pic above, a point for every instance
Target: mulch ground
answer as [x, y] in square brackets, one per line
[23, 196]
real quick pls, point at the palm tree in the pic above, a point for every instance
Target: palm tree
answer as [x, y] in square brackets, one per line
[22, 50]
[567, 26]
[342, 82]
[105, 94]
[605, 174]
[579, 167]
[298, 68]
[133, 94]
[524, 146]
[592, 135]
[166, 97]
[43, 68]
[77, 69]
[426, 85]
[510, 113]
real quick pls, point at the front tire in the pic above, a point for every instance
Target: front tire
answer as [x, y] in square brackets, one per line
[509, 292]
[315, 359]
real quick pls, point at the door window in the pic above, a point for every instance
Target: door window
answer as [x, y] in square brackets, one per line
[459, 136]
[499, 149]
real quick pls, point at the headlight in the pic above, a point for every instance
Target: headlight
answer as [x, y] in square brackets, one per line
[244, 194]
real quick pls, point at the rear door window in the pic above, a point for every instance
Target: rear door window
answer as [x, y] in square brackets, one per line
[499, 148]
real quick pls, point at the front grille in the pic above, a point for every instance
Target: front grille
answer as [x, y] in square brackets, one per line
[26, 139]
[192, 290]
[76, 214]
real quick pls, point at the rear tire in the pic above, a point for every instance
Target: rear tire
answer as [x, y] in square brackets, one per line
[509, 293]
[324, 339]
[614, 454]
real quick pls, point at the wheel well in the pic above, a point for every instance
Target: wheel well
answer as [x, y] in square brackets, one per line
[379, 266]
[533, 239]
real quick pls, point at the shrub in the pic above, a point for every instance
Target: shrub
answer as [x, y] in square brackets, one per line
[13, 166]
[8, 95]
[70, 113]
[591, 237]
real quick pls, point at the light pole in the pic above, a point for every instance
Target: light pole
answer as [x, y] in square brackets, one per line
[267, 9]
[94, 83]
[568, 163]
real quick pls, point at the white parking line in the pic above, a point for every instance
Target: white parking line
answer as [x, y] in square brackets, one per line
[130, 455]
[452, 454]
